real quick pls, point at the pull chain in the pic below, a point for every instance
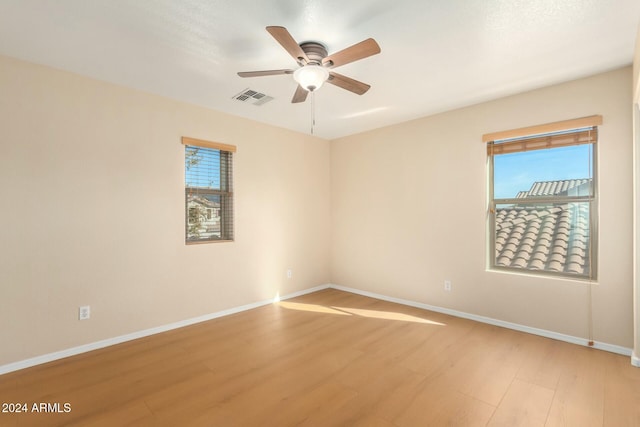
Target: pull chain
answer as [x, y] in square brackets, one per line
[313, 110]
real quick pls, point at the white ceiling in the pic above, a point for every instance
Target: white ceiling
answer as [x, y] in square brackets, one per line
[436, 54]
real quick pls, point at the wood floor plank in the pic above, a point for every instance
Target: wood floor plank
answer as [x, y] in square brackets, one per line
[498, 361]
[622, 393]
[333, 358]
[524, 404]
[129, 414]
[545, 361]
[445, 406]
[384, 388]
[579, 396]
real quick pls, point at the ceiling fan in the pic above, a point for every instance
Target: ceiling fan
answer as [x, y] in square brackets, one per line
[315, 64]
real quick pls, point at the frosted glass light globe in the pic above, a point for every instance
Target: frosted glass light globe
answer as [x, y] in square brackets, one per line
[311, 77]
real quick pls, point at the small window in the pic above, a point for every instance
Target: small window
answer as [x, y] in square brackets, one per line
[208, 191]
[543, 210]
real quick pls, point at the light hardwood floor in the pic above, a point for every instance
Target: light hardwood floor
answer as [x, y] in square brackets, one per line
[333, 358]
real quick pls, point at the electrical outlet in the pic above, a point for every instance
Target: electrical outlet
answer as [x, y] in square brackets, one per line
[289, 273]
[447, 285]
[84, 312]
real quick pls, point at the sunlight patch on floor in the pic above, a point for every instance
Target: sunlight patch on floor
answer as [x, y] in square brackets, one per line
[311, 307]
[388, 315]
[347, 311]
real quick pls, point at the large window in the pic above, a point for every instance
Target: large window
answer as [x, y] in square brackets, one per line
[543, 189]
[208, 191]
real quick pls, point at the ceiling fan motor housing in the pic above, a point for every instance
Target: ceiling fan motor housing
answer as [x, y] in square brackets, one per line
[315, 51]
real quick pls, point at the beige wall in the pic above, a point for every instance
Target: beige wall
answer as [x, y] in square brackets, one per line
[92, 212]
[409, 211]
[636, 68]
[636, 132]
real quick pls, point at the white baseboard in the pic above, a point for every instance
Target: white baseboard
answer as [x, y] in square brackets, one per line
[635, 360]
[535, 331]
[50, 357]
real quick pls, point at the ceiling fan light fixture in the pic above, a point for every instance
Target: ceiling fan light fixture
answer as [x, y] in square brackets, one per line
[311, 76]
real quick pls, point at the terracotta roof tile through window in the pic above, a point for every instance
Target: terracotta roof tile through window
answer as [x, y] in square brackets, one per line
[549, 237]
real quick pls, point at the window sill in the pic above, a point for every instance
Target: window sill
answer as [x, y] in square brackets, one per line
[543, 275]
[204, 242]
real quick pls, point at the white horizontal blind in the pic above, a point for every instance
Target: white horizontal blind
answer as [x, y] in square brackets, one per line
[581, 123]
[559, 139]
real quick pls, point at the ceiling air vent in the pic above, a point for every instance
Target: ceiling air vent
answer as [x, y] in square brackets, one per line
[252, 97]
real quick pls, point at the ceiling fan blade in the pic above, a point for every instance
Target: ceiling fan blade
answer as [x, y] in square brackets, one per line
[264, 73]
[348, 83]
[353, 53]
[300, 95]
[285, 39]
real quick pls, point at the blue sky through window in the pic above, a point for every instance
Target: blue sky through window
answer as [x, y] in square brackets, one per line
[518, 171]
[202, 167]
